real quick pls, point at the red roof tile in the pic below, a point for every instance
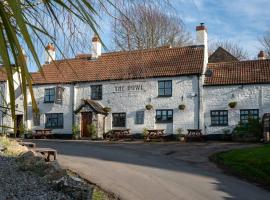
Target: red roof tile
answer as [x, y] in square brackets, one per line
[160, 62]
[241, 72]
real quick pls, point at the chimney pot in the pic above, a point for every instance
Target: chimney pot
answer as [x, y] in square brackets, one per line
[49, 53]
[96, 47]
[261, 55]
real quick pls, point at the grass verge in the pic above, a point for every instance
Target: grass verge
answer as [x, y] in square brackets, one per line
[252, 164]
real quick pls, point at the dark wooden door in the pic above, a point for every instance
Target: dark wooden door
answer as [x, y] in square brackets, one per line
[86, 121]
[19, 123]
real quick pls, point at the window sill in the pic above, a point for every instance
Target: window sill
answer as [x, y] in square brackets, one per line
[164, 122]
[54, 127]
[47, 102]
[164, 96]
[219, 125]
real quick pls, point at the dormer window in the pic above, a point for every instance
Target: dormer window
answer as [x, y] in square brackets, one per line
[96, 92]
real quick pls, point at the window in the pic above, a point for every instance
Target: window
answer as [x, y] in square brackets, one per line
[139, 117]
[96, 92]
[119, 119]
[219, 118]
[164, 116]
[54, 120]
[36, 119]
[248, 114]
[49, 96]
[165, 88]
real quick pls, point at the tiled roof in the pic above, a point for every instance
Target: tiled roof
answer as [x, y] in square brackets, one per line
[3, 75]
[93, 104]
[221, 55]
[241, 72]
[160, 62]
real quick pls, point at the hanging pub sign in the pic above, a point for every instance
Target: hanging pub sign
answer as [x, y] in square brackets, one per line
[59, 95]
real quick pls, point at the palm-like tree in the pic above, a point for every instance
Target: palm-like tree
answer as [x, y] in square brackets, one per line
[18, 29]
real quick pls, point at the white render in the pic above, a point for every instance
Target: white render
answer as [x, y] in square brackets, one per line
[131, 101]
[246, 96]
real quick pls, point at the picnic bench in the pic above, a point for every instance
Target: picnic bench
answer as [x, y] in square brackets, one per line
[154, 134]
[47, 153]
[194, 134]
[42, 133]
[28, 144]
[117, 134]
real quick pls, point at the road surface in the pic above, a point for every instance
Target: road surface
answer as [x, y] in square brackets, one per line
[137, 174]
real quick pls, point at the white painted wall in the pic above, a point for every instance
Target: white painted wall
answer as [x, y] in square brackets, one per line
[65, 108]
[130, 102]
[247, 97]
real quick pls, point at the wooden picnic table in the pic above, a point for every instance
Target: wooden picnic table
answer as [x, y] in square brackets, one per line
[194, 134]
[117, 134]
[42, 133]
[47, 152]
[154, 134]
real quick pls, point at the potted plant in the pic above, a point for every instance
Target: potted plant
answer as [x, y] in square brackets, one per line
[181, 136]
[76, 132]
[149, 107]
[182, 107]
[232, 104]
[107, 110]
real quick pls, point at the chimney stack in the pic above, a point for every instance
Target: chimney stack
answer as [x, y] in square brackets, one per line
[202, 39]
[96, 47]
[49, 53]
[261, 55]
[25, 56]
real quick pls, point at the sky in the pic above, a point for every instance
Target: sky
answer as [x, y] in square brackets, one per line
[241, 21]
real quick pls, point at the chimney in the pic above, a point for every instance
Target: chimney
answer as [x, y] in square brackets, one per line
[261, 55]
[202, 39]
[96, 47]
[49, 53]
[25, 56]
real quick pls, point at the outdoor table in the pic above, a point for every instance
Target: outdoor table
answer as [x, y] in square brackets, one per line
[154, 134]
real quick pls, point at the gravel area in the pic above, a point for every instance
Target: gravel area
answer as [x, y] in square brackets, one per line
[24, 185]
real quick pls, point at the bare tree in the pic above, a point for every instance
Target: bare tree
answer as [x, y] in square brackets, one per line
[265, 42]
[144, 26]
[233, 48]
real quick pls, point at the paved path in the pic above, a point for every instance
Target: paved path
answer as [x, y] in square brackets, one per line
[133, 172]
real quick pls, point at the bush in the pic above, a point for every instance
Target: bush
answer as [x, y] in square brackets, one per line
[93, 131]
[75, 131]
[249, 132]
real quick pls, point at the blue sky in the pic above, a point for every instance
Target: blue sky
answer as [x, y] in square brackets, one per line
[242, 21]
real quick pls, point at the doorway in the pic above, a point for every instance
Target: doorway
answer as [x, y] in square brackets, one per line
[86, 121]
[19, 123]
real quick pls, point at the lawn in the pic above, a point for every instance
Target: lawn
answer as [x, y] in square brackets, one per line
[250, 163]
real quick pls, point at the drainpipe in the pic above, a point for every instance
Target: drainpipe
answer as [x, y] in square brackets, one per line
[72, 104]
[199, 103]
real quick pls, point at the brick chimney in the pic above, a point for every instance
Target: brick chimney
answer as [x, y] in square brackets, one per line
[49, 53]
[96, 47]
[202, 39]
[261, 55]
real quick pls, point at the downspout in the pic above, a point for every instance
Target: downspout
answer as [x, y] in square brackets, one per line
[199, 103]
[72, 104]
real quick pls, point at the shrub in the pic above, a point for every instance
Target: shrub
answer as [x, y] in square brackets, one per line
[232, 104]
[93, 131]
[251, 131]
[182, 107]
[75, 131]
[149, 107]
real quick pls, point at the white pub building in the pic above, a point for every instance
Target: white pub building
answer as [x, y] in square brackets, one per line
[163, 88]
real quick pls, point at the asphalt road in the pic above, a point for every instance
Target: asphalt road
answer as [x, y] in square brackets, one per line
[134, 173]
